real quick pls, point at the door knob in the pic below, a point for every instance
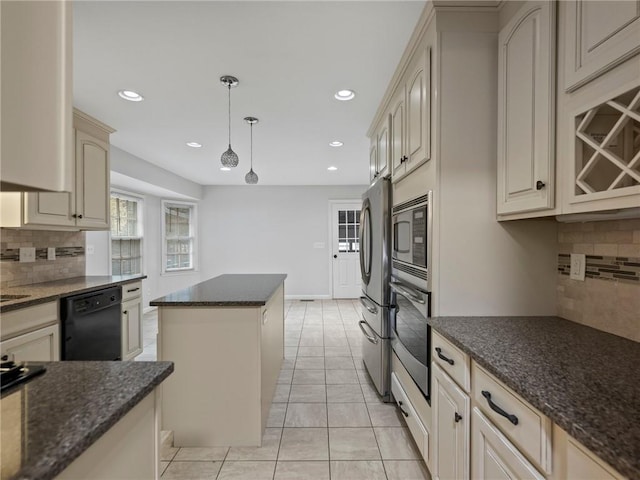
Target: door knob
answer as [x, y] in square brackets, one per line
[335, 256]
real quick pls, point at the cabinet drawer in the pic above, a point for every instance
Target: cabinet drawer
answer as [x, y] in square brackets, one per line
[526, 427]
[131, 290]
[417, 429]
[28, 319]
[451, 359]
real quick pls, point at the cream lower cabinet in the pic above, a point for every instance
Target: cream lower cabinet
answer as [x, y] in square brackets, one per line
[131, 320]
[451, 424]
[31, 333]
[42, 345]
[493, 456]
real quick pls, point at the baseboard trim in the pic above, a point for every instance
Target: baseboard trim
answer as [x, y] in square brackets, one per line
[307, 297]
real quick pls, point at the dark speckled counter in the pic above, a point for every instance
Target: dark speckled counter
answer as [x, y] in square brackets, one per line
[230, 290]
[584, 380]
[49, 291]
[66, 409]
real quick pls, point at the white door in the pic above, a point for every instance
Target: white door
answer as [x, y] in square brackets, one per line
[345, 256]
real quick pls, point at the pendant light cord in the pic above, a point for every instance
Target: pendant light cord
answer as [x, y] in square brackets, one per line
[229, 115]
[251, 146]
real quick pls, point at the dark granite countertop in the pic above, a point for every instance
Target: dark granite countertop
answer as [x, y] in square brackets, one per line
[584, 380]
[49, 291]
[230, 290]
[65, 410]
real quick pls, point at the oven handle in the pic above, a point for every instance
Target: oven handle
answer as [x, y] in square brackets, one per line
[406, 291]
[373, 340]
[369, 305]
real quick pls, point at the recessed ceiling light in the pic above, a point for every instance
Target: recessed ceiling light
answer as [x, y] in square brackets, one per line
[344, 95]
[332, 169]
[130, 95]
[194, 144]
[225, 169]
[336, 143]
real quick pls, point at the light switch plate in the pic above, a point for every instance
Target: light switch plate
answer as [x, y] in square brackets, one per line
[51, 253]
[27, 254]
[578, 266]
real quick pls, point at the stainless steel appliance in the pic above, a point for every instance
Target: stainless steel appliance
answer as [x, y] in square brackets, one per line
[411, 286]
[375, 244]
[92, 325]
[411, 225]
[411, 335]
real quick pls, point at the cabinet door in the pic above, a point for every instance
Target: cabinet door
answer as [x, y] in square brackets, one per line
[373, 160]
[526, 78]
[451, 427]
[598, 35]
[53, 209]
[418, 110]
[494, 456]
[92, 182]
[383, 148]
[42, 345]
[396, 144]
[131, 328]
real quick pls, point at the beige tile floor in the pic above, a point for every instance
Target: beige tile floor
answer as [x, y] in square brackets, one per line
[326, 421]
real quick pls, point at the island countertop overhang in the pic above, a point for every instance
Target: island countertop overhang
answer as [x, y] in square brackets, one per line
[228, 290]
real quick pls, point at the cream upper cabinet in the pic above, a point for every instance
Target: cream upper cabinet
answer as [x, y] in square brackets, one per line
[86, 206]
[411, 117]
[37, 76]
[526, 110]
[599, 34]
[373, 160]
[379, 153]
[451, 425]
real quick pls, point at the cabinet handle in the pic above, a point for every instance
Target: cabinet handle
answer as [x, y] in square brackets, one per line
[133, 289]
[457, 417]
[402, 409]
[403, 159]
[442, 357]
[74, 216]
[80, 216]
[540, 185]
[126, 312]
[512, 418]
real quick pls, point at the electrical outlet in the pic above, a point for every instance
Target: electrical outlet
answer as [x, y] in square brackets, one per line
[91, 249]
[27, 254]
[51, 253]
[578, 266]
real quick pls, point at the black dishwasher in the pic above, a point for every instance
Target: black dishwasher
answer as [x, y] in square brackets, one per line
[92, 326]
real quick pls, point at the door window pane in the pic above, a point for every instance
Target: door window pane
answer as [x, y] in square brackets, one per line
[348, 227]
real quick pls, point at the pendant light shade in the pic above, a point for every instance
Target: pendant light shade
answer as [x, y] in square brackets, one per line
[229, 158]
[251, 177]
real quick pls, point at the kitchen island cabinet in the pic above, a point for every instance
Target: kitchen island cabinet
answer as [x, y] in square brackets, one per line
[84, 420]
[226, 337]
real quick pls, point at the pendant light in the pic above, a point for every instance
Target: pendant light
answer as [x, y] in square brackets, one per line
[251, 177]
[229, 158]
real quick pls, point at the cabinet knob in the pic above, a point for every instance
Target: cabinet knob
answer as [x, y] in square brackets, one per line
[540, 185]
[457, 417]
[80, 216]
[125, 312]
[74, 215]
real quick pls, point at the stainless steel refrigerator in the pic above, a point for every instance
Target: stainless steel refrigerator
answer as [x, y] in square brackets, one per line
[375, 268]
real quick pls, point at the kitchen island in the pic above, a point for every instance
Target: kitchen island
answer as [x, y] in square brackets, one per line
[89, 420]
[226, 337]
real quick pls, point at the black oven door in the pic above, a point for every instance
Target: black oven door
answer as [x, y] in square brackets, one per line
[411, 335]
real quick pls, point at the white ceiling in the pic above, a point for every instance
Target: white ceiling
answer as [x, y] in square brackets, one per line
[290, 58]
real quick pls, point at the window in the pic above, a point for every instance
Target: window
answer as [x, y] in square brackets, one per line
[348, 226]
[126, 234]
[179, 227]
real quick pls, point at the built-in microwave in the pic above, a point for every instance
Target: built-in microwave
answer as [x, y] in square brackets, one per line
[411, 244]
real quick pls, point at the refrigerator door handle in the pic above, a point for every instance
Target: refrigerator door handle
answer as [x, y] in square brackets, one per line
[369, 305]
[372, 339]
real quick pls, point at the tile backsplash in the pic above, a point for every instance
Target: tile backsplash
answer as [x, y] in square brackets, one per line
[69, 262]
[609, 298]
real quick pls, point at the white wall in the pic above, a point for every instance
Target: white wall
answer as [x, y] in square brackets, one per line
[263, 229]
